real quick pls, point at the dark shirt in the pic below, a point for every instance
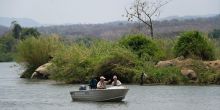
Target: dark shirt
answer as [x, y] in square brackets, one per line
[93, 84]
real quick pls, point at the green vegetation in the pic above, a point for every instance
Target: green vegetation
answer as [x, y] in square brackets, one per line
[7, 43]
[194, 44]
[16, 30]
[215, 34]
[10, 39]
[26, 32]
[81, 59]
[142, 46]
[33, 52]
[77, 63]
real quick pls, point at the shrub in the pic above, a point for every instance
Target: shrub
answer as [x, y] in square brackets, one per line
[163, 75]
[194, 44]
[33, 52]
[120, 62]
[70, 64]
[166, 46]
[215, 34]
[217, 47]
[78, 62]
[7, 47]
[143, 47]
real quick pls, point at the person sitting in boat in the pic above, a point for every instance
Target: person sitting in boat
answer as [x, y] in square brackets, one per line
[115, 81]
[102, 83]
[93, 83]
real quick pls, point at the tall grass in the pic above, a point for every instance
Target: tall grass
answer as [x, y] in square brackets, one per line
[166, 47]
[33, 52]
[77, 63]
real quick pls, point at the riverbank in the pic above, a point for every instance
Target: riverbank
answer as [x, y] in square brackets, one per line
[198, 73]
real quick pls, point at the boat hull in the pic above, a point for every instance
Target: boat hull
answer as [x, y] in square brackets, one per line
[99, 95]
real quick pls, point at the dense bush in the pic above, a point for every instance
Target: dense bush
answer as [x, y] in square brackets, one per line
[78, 63]
[161, 75]
[166, 47]
[194, 44]
[7, 47]
[120, 62]
[145, 48]
[33, 52]
[216, 44]
[70, 64]
[27, 32]
[215, 34]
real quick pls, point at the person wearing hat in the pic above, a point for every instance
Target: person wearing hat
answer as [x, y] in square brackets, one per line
[115, 81]
[102, 83]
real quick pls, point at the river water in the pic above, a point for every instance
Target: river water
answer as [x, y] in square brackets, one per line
[23, 94]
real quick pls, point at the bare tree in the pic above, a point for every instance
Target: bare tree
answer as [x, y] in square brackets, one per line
[143, 11]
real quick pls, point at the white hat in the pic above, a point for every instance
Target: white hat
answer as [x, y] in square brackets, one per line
[102, 77]
[114, 77]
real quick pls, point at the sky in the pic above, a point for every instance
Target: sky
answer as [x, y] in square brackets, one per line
[96, 11]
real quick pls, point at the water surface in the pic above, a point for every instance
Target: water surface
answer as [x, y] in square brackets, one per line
[23, 94]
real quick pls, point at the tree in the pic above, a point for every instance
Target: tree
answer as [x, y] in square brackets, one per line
[27, 32]
[193, 44]
[145, 48]
[16, 29]
[143, 11]
[215, 34]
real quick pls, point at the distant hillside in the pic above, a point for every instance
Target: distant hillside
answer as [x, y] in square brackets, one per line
[3, 29]
[25, 22]
[114, 30]
[170, 27]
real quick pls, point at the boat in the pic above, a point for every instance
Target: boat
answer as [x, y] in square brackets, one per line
[113, 93]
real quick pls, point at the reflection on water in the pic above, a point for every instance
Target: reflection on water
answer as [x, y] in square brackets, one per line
[24, 94]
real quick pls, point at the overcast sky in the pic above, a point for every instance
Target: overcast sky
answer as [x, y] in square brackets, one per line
[95, 11]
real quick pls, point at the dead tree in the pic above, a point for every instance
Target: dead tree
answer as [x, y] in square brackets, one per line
[143, 11]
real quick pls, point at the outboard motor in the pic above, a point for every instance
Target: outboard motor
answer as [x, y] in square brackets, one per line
[82, 87]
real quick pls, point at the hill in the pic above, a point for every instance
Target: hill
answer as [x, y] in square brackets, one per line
[3, 29]
[25, 22]
[169, 27]
[113, 30]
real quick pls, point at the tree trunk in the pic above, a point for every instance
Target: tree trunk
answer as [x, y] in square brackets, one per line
[151, 29]
[151, 32]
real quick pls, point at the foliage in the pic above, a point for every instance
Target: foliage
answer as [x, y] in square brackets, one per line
[194, 44]
[26, 32]
[118, 61]
[160, 75]
[19, 32]
[166, 47]
[70, 64]
[78, 62]
[33, 52]
[143, 47]
[215, 34]
[216, 44]
[16, 30]
[7, 44]
[87, 41]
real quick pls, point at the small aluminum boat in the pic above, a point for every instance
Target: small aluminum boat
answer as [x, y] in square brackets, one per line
[114, 93]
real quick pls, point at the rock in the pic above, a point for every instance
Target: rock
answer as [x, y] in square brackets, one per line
[41, 72]
[164, 63]
[191, 74]
[213, 64]
[173, 62]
